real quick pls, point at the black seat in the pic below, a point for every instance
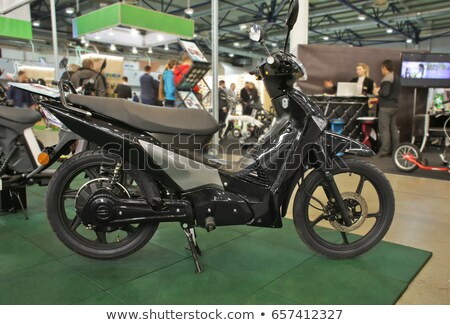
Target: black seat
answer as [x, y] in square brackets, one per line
[19, 115]
[150, 118]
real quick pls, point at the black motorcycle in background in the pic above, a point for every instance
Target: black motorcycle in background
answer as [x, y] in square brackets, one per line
[108, 203]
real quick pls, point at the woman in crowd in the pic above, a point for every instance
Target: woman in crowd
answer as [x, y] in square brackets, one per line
[167, 86]
[364, 84]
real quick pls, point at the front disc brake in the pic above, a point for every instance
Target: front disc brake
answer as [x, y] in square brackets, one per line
[358, 207]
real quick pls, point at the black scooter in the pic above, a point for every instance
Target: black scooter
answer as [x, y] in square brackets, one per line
[153, 167]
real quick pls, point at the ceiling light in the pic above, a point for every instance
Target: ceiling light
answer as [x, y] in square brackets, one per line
[83, 40]
[166, 47]
[189, 11]
[113, 47]
[36, 23]
[326, 38]
[243, 26]
[231, 55]
[236, 44]
[195, 35]
[389, 30]
[86, 43]
[150, 50]
[111, 32]
[274, 44]
[362, 17]
[160, 37]
[70, 11]
[134, 50]
[97, 36]
[409, 40]
[134, 32]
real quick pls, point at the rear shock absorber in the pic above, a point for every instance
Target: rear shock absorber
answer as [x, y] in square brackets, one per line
[115, 176]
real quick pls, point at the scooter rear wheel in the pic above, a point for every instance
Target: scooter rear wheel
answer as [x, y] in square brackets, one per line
[77, 179]
[399, 157]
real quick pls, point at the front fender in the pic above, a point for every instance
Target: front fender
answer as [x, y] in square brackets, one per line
[337, 144]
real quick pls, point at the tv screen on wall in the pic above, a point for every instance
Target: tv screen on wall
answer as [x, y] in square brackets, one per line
[428, 70]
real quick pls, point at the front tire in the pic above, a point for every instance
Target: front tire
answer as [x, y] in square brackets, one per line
[62, 192]
[325, 234]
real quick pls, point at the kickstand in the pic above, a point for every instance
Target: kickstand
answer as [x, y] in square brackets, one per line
[190, 234]
[194, 237]
[14, 193]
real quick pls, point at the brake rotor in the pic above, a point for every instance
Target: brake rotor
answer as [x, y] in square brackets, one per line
[357, 205]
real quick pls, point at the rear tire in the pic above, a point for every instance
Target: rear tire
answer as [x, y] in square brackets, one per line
[60, 184]
[403, 164]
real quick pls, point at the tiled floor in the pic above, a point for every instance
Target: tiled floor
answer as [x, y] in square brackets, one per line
[241, 265]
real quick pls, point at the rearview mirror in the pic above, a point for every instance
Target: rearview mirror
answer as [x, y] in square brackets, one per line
[256, 33]
[292, 14]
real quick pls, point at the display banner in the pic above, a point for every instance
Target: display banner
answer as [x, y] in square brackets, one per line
[197, 314]
[15, 19]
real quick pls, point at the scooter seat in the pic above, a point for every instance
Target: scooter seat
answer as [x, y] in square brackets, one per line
[20, 115]
[150, 118]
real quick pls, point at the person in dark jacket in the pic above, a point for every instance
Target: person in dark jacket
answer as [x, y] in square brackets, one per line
[20, 98]
[86, 77]
[147, 87]
[123, 90]
[223, 101]
[388, 94]
[71, 69]
[135, 98]
[249, 97]
[364, 84]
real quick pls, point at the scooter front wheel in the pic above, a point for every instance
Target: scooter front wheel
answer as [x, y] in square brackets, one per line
[401, 152]
[368, 197]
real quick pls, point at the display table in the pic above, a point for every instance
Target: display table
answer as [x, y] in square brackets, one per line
[347, 108]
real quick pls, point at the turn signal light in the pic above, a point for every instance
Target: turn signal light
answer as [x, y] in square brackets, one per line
[43, 158]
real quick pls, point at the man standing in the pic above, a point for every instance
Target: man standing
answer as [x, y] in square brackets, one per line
[232, 99]
[147, 87]
[123, 90]
[223, 101]
[388, 93]
[89, 80]
[20, 98]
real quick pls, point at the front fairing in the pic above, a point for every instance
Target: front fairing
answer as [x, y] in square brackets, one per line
[337, 144]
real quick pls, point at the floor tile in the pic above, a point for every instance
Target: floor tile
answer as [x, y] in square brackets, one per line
[254, 260]
[321, 281]
[391, 260]
[264, 297]
[48, 242]
[108, 274]
[173, 238]
[50, 283]
[178, 284]
[17, 253]
[37, 222]
[5, 232]
[103, 298]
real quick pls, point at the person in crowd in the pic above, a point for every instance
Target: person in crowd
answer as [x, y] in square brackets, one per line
[246, 99]
[123, 90]
[135, 98]
[329, 88]
[223, 101]
[156, 87]
[182, 70]
[18, 97]
[232, 99]
[168, 84]
[86, 77]
[364, 85]
[147, 87]
[71, 69]
[388, 94]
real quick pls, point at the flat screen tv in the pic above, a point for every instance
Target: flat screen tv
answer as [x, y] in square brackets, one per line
[427, 70]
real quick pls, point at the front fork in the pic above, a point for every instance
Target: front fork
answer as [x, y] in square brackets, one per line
[336, 195]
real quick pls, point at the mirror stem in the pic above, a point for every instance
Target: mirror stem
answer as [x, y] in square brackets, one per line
[265, 46]
[287, 40]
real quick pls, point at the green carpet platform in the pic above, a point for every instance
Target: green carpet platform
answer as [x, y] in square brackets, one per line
[242, 265]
